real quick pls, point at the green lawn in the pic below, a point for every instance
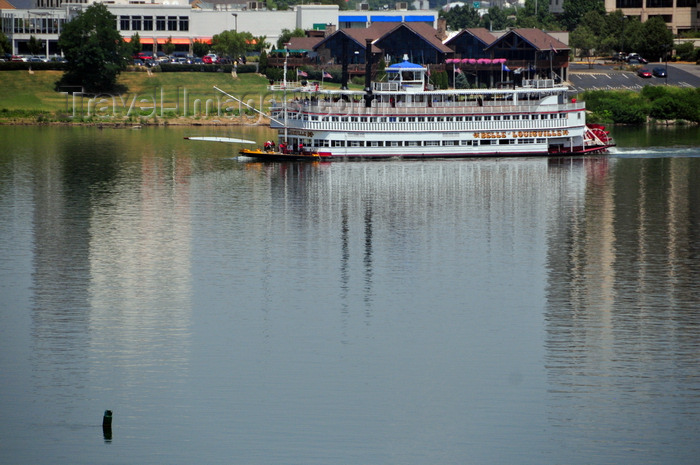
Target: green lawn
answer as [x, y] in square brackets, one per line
[27, 96]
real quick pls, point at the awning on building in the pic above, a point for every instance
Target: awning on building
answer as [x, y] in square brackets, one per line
[352, 19]
[385, 19]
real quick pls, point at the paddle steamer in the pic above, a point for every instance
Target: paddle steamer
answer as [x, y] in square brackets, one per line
[404, 116]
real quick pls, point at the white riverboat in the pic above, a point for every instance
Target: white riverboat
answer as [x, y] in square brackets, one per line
[405, 117]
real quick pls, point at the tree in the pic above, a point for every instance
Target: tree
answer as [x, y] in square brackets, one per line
[135, 44]
[262, 62]
[460, 17]
[95, 51]
[575, 9]
[35, 45]
[658, 40]
[200, 48]
[229, 43]
[497, 19]
[169, 46]
[287, 34]
[461, 81]
[583, 39]
[5, 45]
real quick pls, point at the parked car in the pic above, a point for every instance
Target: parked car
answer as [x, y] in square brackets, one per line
[619, 56]
[636, 59]
[659, 72]
[643, 72]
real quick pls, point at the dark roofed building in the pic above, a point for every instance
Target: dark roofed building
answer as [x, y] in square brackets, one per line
[418, 40]
[471, 43]
[533, 50]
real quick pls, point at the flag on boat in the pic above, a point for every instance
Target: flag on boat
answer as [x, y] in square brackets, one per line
[302, 73]
[327, 75]
[504, 68]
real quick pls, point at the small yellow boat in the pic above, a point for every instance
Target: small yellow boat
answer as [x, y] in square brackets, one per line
[281, 156]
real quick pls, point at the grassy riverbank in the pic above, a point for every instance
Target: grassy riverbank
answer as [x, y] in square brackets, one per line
[189, 98]
[159, 98]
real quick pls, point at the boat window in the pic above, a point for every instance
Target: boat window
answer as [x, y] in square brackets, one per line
[552, 116]
[449, 142]
[376, 143]
[496, 118]
[440, 118]
[394, 143]
[486, 118]
[421, 119]
[459, 118]
[363, 119]
[467, 142]
[477, 118]
[314, 118]
[526, 116]
[506, 141]
[506, 118]
[357, 143]
[353, 119]
[402, 119]
[516, 117]
[411, 119]
[334, 118]
[382, 119]
[540, 141]
[412, 143]
[432, 142]
[467, 118]
[430, 118]
[485, 142]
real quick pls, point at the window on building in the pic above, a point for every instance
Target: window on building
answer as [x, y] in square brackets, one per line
[160, 23]
[124, 23]
[184, 23]
[172, 23]
[148, 23]
[135, 23]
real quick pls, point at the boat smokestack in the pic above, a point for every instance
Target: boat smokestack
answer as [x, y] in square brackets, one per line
[368, 73]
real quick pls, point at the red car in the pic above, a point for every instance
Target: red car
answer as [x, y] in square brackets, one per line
[643, 72]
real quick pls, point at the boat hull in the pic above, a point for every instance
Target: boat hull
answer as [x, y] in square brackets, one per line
[272, 155]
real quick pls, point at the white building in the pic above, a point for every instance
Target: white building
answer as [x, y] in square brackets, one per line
[171, 19]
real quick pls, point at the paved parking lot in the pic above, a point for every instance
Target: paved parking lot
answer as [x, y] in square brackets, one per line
[605, 77]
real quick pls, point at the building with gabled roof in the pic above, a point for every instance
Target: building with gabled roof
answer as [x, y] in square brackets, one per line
[417, 40]
[471, 43]
[533, 51]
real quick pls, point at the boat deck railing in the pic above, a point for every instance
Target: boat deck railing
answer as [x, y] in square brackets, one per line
[322, 108]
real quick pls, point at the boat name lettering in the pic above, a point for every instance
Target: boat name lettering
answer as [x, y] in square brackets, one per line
[501, 135]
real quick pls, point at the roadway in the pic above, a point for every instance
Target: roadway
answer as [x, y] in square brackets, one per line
[603, 77]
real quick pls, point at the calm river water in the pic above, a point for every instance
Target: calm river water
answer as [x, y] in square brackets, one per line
[499, 311]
